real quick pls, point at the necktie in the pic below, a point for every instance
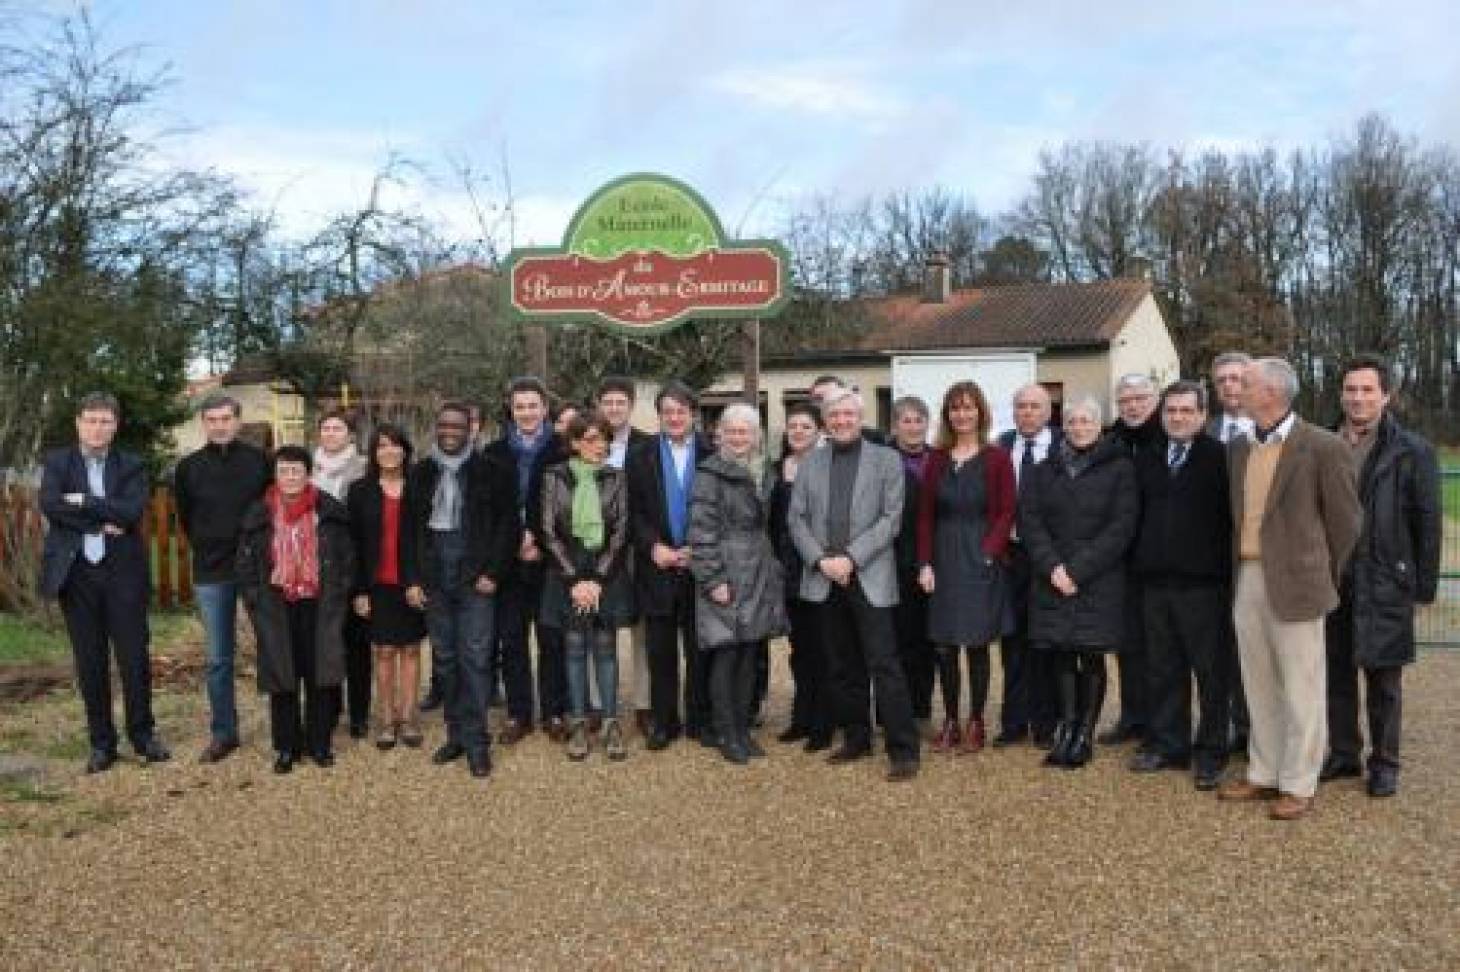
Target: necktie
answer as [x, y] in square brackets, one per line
[1027, 459]
[94, 544]
[1178, 455]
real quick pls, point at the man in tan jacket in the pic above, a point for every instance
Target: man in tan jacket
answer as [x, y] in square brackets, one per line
[1296, 517]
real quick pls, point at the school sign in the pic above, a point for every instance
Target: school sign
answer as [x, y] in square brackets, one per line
[643, 254]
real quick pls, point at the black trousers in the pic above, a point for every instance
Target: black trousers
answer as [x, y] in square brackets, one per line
[861, 651]
[1383, 698]
[552, 673]
[106, 612]
[666, 637]
[359, 669]
[518, 602]
[811, 703]
[291, 729]
[1184, 638]
[732, 688]
[1030, 691]
[1237, 698]
[914, 650]
[1135, 677]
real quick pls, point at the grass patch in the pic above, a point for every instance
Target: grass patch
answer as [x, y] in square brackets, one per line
[23, 641]
[70, 747]
[27, 791]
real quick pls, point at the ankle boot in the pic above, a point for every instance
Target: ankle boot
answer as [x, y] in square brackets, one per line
[1059, 751]
[1081, 748]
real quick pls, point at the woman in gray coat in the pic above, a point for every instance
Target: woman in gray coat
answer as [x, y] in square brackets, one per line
[740, 590]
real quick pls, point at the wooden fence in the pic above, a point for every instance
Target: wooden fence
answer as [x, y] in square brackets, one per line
[22, 529]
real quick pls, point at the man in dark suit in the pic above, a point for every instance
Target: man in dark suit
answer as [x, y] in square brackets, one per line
[1029, 689]
[661, 476]
[1395, 566]
[1295, 517]
[846, 510]
[93, 497]
[1183, 556]
[527, 446]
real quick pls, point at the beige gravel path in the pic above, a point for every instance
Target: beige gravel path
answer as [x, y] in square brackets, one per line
[678, 860]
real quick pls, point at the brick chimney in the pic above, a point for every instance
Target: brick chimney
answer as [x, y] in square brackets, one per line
[937, 279]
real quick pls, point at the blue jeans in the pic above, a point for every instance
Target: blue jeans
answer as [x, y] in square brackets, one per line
[579, 641]
[218, 605]
[460, 623]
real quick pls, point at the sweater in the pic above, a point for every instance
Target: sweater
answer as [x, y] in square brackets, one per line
[213, 487]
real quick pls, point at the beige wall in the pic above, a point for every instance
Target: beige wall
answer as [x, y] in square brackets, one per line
[1144, 345]
[284, 411]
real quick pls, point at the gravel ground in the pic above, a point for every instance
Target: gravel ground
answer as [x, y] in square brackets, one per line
[679, 860]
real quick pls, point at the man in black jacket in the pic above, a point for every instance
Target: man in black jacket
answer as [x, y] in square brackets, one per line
[527, 447]
[93, 497]
[1183, 556]
[461, 530]
[1029, 681]
[213, 486]
[1394, 567]
[661, 479]
[1138, 428]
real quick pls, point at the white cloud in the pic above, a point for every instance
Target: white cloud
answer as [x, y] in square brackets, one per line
[822, 89]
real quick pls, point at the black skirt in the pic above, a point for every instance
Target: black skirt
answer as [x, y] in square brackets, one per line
[392, 620]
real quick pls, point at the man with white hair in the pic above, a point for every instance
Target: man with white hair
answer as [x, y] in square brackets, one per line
[1296, 518]
[845, 514]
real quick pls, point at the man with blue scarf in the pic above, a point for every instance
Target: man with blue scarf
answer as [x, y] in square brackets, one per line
[527, 446]
[661, 479]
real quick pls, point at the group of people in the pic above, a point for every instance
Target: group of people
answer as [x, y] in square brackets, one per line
[1227, 543]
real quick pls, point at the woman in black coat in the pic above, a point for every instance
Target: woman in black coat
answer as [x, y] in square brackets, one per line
[377, 523]
[739, 589]
[1077, 516]
[296, 567]
[810, 716]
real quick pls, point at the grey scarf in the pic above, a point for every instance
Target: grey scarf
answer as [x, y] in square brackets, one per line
[446, 504]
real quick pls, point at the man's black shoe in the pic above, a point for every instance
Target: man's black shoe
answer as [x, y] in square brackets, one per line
[902, 770]
[1383, 781]
[1207, 777]
[101, 760]
[1042, 736]
[817, 744]
[480, 763]
[447, 753]
[1339, 768]
[1150, 761]
[323, 760]
[152, 751]
[793, 734]
[283, 763]
[658, 740]
[849, 754]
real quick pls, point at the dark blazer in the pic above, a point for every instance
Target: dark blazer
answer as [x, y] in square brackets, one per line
[1186, 519]
[1310, 523]
[125, 501]
[1396, 563]
[266, 605]
[649, 523]
[1085, 522]
[365, 502]
[529, 505]
[1009, 438]
[489, 517]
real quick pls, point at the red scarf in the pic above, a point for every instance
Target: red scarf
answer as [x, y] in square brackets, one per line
[296, 543]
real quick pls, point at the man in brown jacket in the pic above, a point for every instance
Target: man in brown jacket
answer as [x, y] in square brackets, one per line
[1296, 517]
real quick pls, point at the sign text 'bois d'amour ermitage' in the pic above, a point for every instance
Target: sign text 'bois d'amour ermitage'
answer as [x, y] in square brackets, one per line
[646, 253]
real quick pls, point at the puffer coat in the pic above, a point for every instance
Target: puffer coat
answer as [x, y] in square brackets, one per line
[729, 545]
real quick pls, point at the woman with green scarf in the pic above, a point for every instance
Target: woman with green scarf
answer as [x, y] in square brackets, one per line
[585, 524]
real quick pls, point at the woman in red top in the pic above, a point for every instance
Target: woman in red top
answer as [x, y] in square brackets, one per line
[396, 629]
[964, 520]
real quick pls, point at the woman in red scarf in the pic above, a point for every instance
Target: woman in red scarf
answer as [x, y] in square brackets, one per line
[295, 570]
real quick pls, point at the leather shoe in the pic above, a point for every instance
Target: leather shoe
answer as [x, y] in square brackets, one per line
[447, 753]
[152, 751]
[323, 760]
[658, 740]
[734, 752]
[480, 763]
[793, 734]
[101, 760]
[1338, 768]
[849, 754]
[1119, 733]
[709, 739]
[1010, 736]
[217, 750]
[1383, 781]
[1042, 737]
[901, 770]
[1289, 807]
[359, 730]
[514, 732]
[1150, 761]
[1207, 777]
[1242, 790]
[283, 763]
[817, 744]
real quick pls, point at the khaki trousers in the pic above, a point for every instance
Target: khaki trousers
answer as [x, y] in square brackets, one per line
[632, 640]
[1284, 673]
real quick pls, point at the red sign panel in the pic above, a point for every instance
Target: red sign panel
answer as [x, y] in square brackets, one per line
[647, 289]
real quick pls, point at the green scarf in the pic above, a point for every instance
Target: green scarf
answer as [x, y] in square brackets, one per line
[587, 513]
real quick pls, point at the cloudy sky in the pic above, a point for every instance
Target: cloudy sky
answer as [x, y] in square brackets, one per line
[756, 102]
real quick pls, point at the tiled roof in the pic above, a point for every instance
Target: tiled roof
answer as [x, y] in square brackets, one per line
[1025, 315]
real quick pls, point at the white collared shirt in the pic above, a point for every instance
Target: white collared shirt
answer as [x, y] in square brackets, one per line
[1041, 449]
[1233, 427]
[618, 449]
[1279, 434]
[680, 454]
